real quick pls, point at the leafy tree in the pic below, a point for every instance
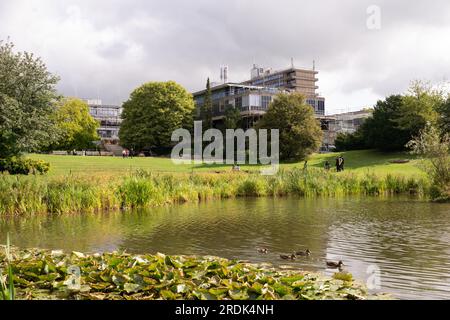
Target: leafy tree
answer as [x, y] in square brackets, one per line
[398, 118]
[232, 118]
[350, 141]
[300, 132]
[381, 131]
[444, 115]
[206, 109]
[419, 107]
[435, 147]
[27, 102]
[153, 112]
[77, 128]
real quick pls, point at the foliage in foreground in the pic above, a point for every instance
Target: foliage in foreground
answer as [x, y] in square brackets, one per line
[67, 194]
[25, 166]
[435, 147]
[41, 274]
[7, 290]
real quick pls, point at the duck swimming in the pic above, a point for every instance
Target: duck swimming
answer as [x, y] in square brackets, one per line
[263, 250]
[305, 253]
[335, 265]
[287, 257]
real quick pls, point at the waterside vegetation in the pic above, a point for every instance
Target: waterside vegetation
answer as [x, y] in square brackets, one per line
[80, 193]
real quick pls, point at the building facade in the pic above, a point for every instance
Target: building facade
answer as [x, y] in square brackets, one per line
[292, 79]
[347, 122]
[109, 117]
[252, 97]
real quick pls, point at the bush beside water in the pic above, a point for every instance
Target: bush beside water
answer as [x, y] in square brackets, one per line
[29, 194]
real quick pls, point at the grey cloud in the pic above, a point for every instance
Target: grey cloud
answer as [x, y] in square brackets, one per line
[107, 48]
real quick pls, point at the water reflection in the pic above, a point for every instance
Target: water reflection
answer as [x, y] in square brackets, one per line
[408, 240]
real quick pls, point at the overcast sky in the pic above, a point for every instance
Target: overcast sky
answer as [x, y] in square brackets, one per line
[105, 48]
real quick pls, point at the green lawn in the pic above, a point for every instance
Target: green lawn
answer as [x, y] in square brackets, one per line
[358, 161]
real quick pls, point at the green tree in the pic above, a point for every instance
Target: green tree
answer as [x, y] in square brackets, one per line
[300, 132]
[27, 102]
[77, 128]
[232, 118]
[206, 109]
[153, 112]
[444, 115]
[381, 131]
[350, 141]
[419, 107]
[434, 146]
[398, 118]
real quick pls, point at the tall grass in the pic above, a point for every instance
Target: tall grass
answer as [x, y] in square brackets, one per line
[7, 290]
[24, 195]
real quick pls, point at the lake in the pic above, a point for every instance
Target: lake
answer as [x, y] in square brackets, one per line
[406, 240]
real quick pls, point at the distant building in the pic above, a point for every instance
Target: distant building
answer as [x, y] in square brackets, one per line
[292, 80]
[109, 117]
[347, 122]
[252, 97]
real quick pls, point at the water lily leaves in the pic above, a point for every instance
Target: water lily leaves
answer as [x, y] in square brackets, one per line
[203, 295]
[131, 287]
[101, 286]
[167, 295]
[344, 276]
[40, 274]
[78, 254]
[238, 294]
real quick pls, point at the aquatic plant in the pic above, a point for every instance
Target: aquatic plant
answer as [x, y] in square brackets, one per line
[43, 274]
[7, 290]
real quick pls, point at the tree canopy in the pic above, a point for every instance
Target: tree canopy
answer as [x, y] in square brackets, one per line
[153, 112]
[27, 102]
[300, 132]
[397, 119]
[206, 109]
[77, 128]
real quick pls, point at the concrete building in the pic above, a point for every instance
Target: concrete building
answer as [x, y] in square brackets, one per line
[347, 122]
[292, 80]
[252, 97]
[109, 117]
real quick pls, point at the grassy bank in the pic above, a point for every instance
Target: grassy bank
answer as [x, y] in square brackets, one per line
[359, 162]
[40, 274]
[80, 193]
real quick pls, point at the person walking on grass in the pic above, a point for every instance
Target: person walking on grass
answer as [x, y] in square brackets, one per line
[327, 165]
[340, 164]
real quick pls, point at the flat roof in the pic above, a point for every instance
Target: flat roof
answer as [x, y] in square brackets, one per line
[233, 84]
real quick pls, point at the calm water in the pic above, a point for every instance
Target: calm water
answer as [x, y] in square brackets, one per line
[408, 240]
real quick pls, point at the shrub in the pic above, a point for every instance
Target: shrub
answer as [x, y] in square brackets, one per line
[17, 165]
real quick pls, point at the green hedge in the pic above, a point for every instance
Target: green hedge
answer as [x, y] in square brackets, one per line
[18, 165]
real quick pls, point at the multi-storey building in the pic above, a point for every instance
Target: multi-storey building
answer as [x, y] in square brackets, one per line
[252, 97]
[291, 79]
[109, 117]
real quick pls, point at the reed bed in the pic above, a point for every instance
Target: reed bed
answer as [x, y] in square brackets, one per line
[70, 194]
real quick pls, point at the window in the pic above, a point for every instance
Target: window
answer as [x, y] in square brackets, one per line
[238, 102]
[265, 101]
